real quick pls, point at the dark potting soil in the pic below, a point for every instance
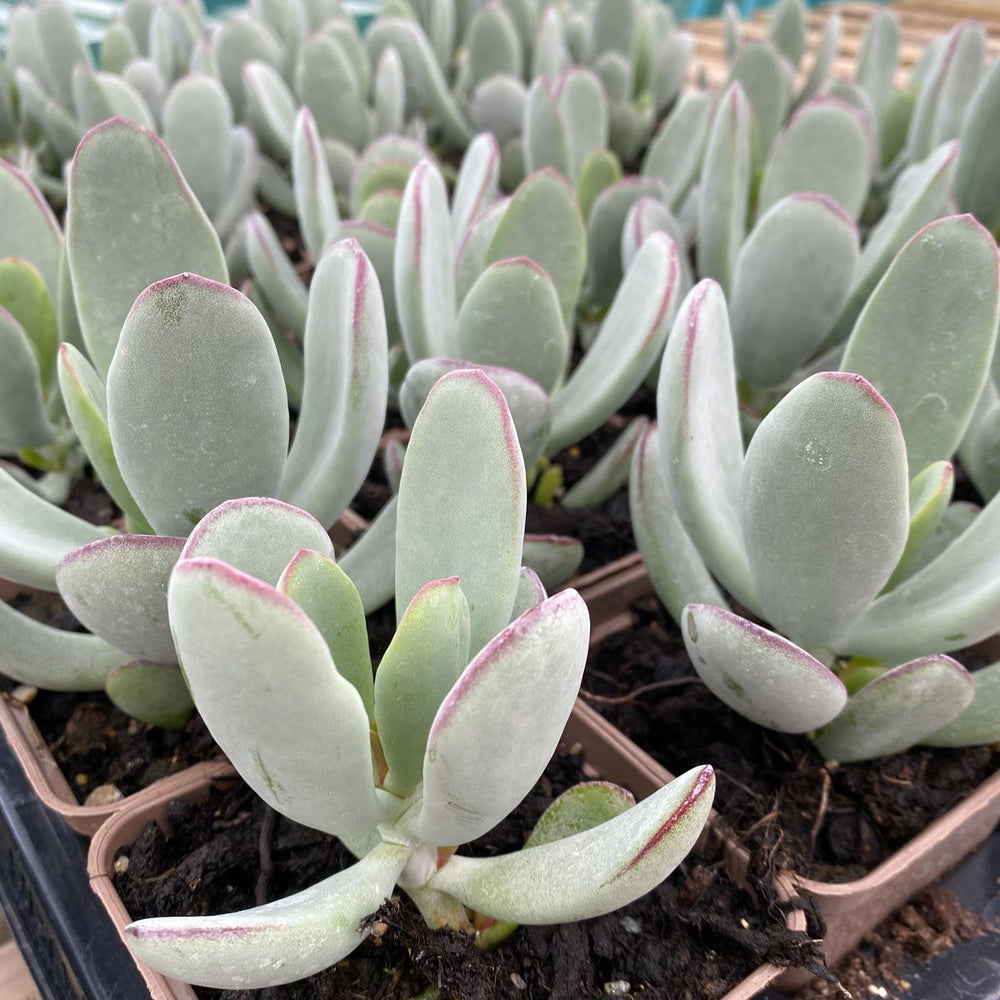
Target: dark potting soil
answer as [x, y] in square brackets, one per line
[790, 808]
[695, 936]
[95, 744]
[928, 925]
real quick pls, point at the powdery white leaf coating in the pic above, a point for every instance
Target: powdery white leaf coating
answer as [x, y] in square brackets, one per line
[346, 385]
[555, 558]
[517, 692]
[926, 335]
[979, 722]
[897, 710]
[630, 340]
[131, 220]
[256, 535]
[477, 184]
[278, 942]
[592, 872]
[35, 535]
[30, 229]
[196, 402]
[52, 658]
[792, 277]
[760, 674]
[473, 530]
[675, 152]
[675, 567]
[701, 443]
[117, 587]
[825, 505]
[423, 267]
[235, 637]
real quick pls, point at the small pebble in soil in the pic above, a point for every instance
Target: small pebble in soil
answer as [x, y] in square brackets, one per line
[617, 988]
[518, 981]
[631, 925]
[104, 795]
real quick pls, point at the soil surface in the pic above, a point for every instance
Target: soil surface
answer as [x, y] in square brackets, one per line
[930, 924]
[693, 938]
[830, 822]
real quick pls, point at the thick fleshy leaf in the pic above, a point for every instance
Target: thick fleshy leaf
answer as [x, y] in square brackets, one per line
[236, 42]
[274, 274]
[389, 93]
[930, 494]
[498, 107]
[24, 422]
[314, 194]
[197, 119]
[235, 637]
[950, 603]
[241, 181]
[542, 221]
[826, 148]
[824, 58]
[62, 48]
[630, 340]
[274, 187]
[257, 536]
[787, 29]
[945, 95]
[926, 335]
[386, 163]
[825, 505]
[518, 693]
[371, 561]
[675, 567]
[580, 808]
[610, 473]
[325, 593]
[674, 154]
[555, 558]
[977, 176]
[593, 872]
[35, 535]
[912, 206]
[327, 84]
[878, 58]
[270, 108]
[493, 44]
[186, 431]
[278, 942]
[477, 183]
[701, 444]
[511, 318]
[464, 423]
[979, 723]
[604, 234]
[85, 400]
[423, 74]
[155, 693]
[131, 220]
[426, 656]
[791, 279]
[650, 215]
[30, 229]
[530, 591]
[346, 383]
[724, 192]
[758, 673]
[51, 658]
[583, 109]
[546, 145]
[897, 710]
[117, 587]
[423, 267]
[766, 81]
[470, 260]
[529, 404]
[600, 170]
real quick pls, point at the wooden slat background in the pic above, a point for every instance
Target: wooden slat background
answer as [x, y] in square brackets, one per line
[921, 20]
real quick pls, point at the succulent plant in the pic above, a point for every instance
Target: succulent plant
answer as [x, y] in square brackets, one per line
[183, 408]
[836, 525]
[466, 709]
